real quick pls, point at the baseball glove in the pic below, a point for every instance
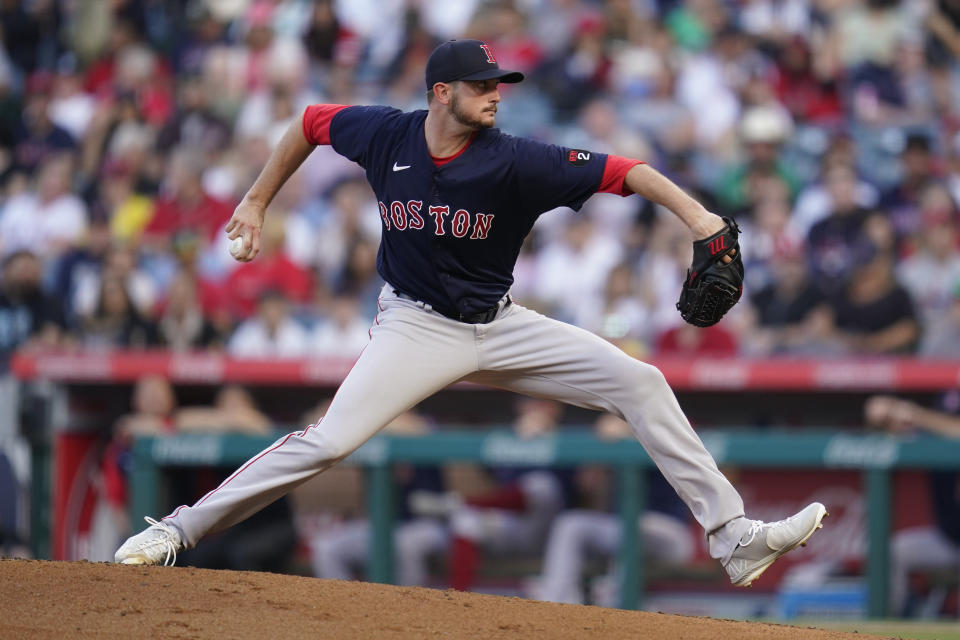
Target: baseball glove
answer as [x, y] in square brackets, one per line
[712, 287]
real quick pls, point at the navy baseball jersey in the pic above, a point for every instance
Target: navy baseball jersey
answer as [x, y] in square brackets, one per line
[453, 227]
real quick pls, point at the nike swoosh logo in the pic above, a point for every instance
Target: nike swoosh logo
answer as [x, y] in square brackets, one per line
[400, 168]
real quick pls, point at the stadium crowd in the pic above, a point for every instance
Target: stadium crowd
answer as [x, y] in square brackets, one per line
[828, 128]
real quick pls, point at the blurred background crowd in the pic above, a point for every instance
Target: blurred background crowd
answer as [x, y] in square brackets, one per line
[129, 129]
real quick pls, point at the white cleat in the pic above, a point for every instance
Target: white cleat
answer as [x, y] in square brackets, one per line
[765, 542]
[157, 544]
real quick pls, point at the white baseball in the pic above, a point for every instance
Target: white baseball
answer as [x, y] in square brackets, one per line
[236, 247]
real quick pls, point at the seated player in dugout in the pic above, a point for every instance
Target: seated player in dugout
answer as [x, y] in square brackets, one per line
[579, 534]
[338, 552]
[927, 548]
[457, 197]
[511, 517]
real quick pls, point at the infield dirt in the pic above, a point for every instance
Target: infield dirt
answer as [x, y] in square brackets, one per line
[40, 599]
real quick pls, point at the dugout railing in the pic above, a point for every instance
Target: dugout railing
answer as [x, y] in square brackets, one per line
[875, 456]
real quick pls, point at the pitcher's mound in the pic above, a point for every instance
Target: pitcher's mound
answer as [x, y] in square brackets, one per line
[40, 599]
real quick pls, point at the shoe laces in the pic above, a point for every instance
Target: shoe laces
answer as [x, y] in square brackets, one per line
[167, 540]
[755, 527]
[759, 525]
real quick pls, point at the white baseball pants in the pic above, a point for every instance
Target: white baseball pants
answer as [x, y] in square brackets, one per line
[415, 352]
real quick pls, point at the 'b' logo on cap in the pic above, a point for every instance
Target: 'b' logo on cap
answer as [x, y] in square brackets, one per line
[487, 50]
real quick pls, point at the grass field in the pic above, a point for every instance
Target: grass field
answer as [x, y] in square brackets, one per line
[914, 630]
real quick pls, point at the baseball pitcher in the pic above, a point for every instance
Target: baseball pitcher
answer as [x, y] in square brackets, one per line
[457, 197]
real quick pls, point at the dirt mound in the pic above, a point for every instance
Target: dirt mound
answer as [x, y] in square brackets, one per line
[41, 599]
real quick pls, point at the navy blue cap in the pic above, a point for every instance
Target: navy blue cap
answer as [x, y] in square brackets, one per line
[466, 60]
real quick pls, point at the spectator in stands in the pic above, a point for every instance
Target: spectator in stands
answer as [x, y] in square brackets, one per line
[268, 111]
[833, 242]
[126, 117]
[788, 312]
[817, 200]
[322, 236]
[941, 337]
[120, 262]
[918, 169]
[514, 516]
[81, 266]
[922, 99]
[128, 210]
[505, 27]
[48, 220]
[29, 318]
[763, 131]
[577, 535]
[212, 295]
[622, 315]
[273, 270]
[572, 76]
[809, 91]
[71, 108]
[763, 231]
[119, 141]
[931, 273]
[194, 124]
[935, 547]
[647, 85]
[338, 552]
[664, 265]
[202, 29]
[142, 77]
[115, 322]
[30, 34]
[601, 128]
[345, 332]
[326, 36]
[184, 203]
[866, 33]
[712, 74]
[687, 340]
[271, 333]
[182, 324]
[874, 314]
[38, 138]
[575, 265]
[358, 273]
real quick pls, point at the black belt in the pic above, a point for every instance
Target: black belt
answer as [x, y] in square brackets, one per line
[482, 317]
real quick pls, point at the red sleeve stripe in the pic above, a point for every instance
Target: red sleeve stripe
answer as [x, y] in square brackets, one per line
[316, 122]
[615, 173]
